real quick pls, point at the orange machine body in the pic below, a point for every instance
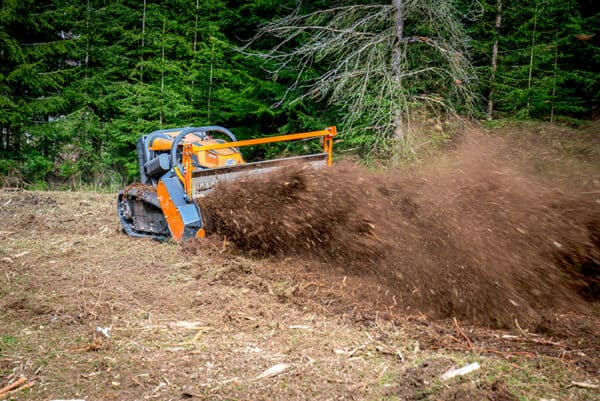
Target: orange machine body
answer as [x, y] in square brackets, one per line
[228, 156]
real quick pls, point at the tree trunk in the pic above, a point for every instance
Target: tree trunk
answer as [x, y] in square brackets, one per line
[490, 107]
[396, 61]
[142, 49]
[535, 15]
[162, 72]
[554, 78]
[5, 138]
[17, 135]
[195, 47]
[210, 78]
[87, 41]
[399, 29]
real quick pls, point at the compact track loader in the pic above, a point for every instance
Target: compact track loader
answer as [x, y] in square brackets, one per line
[180, 164]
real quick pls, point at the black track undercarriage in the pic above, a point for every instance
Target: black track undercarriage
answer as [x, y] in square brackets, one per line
[140, 213]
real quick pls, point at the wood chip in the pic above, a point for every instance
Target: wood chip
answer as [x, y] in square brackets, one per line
[273, 371]
[186, 325]
[300, 327]
[461, 371]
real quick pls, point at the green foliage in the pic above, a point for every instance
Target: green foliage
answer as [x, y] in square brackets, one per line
[548, 58]
[36, 167]
[8, 167]
[80, 81]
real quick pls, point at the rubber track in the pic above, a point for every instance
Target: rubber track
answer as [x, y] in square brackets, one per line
[137, 195]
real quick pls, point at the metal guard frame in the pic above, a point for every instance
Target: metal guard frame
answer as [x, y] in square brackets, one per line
[189, 149]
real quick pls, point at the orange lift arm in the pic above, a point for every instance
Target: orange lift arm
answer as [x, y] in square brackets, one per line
[189, 149]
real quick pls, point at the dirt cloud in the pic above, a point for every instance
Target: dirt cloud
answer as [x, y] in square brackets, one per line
[471, 237]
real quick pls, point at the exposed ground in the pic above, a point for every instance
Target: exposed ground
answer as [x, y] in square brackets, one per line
[206, 321]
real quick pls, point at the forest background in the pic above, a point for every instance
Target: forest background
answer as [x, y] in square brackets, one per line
[80, 81]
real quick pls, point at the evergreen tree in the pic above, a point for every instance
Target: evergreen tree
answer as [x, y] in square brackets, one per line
[541, 72]
[38, 46]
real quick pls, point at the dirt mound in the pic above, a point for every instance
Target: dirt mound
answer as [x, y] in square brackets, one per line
[472, 238]
[31, 199]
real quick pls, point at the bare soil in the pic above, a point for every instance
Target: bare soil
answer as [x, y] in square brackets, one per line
[323, 284]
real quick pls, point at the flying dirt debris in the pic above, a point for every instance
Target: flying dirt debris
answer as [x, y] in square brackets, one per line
[476, 240]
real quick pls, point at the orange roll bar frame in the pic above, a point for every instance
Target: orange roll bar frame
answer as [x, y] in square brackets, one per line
[327, 134]
[189, 149]
[186, 159]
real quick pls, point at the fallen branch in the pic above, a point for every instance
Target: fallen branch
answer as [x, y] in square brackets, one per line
[462, 333]
[139, 383]
[13, 385]
[504, 354]
[305, 286]
[533, 340]
[526, 335]
[585, 385]
[25, 386]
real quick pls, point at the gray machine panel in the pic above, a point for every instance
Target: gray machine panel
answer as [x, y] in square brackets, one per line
[204, 180]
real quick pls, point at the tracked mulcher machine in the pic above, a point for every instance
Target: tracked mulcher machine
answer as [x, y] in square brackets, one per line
[180, 164]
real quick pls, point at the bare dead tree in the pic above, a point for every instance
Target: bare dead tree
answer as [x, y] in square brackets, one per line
[142, 47]
[380, 62]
